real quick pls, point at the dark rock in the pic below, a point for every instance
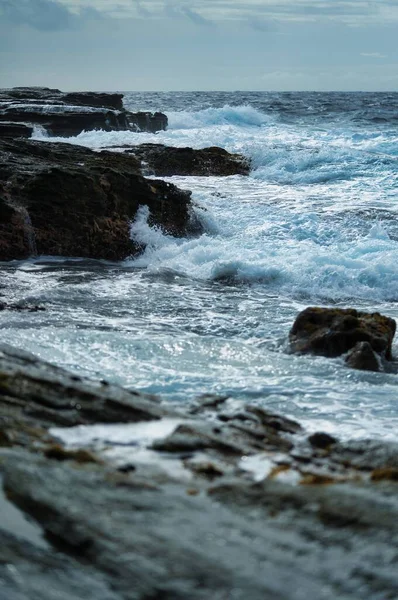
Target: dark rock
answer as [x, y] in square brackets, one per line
[65, 121]
[208, 402]
[165, 161]
[44, 95]
[146, 121]
[61, 199]
[9, 129]
[321, 440]
[35, 396]
[114, 101]
[18, 307]
[68, 114]
[274, 421]
[334, 331]
[363, 357]
[385, 474]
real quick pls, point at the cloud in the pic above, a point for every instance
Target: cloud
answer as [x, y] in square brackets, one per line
[373, 54]
[195, 17]
[356, 12]
[174, 11]
[44, 15]
[141, 10]
[203, 12]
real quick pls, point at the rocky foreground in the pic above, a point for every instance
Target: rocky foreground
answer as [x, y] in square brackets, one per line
[212, 501]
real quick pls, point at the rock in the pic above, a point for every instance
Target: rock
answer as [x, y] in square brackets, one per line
[322, 440]
[274, 421]
[68, 114]
[147, 121]
[177, 541]
[35, 395]
[102, 531]
[21, 306]
[363, 357]
[334, 331]
[9, 129]
[165, 161]
[65, 121]
[114, 101]
[61, 199]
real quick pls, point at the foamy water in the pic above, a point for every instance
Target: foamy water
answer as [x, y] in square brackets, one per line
[314, 223]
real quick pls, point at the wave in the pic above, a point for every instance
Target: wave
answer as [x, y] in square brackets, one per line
[238, 116]
[295, 262]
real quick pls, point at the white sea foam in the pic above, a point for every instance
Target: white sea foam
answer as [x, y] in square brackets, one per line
[288, 247]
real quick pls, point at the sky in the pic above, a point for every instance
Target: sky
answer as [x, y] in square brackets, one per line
[166, 45]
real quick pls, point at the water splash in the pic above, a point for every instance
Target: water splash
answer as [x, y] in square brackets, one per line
[29, 232]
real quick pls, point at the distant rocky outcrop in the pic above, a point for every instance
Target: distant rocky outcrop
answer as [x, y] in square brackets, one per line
[366, 337]
[68, 114]
[164, 161]
[67, 200]
[235, 503]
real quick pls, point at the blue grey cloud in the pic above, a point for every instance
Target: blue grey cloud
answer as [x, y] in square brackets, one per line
[43, 15]
[195, 17]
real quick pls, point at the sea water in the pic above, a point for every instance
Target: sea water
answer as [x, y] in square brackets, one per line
[315, 223]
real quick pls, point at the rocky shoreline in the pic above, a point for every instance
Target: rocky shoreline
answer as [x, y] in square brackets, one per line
[230, 503]
[68, 114]
[209, 500]
[66, 200]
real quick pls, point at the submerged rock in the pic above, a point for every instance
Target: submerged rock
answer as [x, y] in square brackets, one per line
[61, 199]
[165, 161]
[334, 331]
[68, 114]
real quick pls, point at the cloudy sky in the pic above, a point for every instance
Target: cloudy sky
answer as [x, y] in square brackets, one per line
[200, 44]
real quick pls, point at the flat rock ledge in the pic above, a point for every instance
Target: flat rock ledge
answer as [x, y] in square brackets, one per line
[165, 161]
[65, 200]
[365, 338]
[68, 114]
[229, 504]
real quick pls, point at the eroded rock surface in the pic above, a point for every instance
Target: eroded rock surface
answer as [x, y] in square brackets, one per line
[35, 395]
[335, 331]
[67, 200]
[318, 520]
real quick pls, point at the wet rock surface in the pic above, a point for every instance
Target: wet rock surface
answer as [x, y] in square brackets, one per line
[163, 161]
[60, 199]
[9, 129]
[234, 503]
[68, 114]
[334, 331]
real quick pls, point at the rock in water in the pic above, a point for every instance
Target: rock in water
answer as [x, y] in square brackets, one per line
[166, 161]
[334, 331]
[68, 114]
[363, 357]
[67, 200]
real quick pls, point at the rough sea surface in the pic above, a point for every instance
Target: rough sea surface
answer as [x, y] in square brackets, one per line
[315, 223]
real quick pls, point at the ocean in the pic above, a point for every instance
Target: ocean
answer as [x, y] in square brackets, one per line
[315, 223]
